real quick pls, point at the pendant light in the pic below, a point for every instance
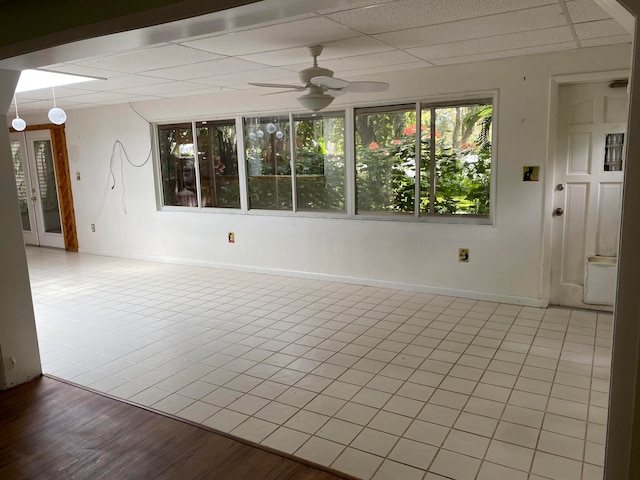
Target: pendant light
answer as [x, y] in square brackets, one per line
[56, 115]
[17, 123]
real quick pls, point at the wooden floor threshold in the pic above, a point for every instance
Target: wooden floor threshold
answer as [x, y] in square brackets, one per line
[52, 428]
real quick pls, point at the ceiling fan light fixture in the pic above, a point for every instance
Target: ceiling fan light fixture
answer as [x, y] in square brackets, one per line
[315, 101]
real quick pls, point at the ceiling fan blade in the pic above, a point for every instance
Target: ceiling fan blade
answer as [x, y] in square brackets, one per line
[356, 87]
[329, 82]
[280, 92]
[278, 85]
[336, 93]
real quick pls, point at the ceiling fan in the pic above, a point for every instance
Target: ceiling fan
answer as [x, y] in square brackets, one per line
[321, 85]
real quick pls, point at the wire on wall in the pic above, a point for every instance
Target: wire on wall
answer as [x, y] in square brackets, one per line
[111, 178]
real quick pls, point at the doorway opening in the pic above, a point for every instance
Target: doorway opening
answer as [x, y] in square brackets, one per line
[43, 182]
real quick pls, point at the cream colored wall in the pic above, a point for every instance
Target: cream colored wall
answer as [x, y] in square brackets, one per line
[506, 258]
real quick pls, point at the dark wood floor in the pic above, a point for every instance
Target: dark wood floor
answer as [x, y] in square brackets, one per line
[52, 430]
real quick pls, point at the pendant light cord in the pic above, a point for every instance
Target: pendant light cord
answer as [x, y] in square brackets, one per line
[15, 103]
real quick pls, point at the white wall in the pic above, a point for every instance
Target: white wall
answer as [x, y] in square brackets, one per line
[19, 353]
[506, 258]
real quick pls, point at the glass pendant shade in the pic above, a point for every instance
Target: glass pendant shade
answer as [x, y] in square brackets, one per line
[57, 116]
[18, 124]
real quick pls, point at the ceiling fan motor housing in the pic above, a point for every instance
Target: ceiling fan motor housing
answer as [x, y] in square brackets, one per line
[308, 73]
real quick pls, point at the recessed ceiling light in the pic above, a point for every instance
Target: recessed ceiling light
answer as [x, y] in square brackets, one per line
[37, 79]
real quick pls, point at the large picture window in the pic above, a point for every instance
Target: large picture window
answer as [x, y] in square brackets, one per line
[386, 160]
[320, 162]
[177, 165]
[218, 163]
[268, 152]
[458, 139]
[404, 161]
[200, 173]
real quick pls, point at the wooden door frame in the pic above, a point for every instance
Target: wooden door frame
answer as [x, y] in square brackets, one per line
[63, 181]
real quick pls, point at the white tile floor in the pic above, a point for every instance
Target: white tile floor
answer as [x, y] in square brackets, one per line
[374, 382]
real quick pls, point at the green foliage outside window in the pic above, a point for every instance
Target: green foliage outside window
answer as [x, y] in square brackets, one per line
[386, 167]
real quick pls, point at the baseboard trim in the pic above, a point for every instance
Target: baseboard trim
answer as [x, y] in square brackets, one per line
[369, 282]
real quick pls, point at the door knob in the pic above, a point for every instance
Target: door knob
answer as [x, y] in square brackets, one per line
[34, 198]
[558, 212]
[560, 187]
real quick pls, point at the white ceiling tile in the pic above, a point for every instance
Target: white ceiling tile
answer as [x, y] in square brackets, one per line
[594, 42]
[44, 106]
[163, 89]
[204, 69]
[120, 82]
[585, 11]
[45, 94]
[101, 97]
[342, 48]
[500, 24]
[311, 31]
[340, 65]
[240, 78]
[150, 58]
[600, 28]
[364, 72]
[400, 15]
[494, 44]
[352, 4]
[481, 57]
[75, 69]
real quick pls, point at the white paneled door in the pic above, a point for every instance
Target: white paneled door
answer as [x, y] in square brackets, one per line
[37, 189]
[592, 122]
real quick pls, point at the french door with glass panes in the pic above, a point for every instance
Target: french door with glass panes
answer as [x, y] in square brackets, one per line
[37, 188]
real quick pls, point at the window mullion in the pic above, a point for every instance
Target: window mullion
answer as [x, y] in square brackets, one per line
[196, 161]
[418, 160]
[350, 161]
[243, 178]
[292, 149]
[432, 162]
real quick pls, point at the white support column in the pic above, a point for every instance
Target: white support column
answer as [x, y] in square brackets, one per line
[623, 436]
[20, 360]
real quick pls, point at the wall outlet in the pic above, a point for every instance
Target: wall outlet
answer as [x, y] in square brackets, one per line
[78, 176]
[93, 227]
[463, 255]
[232, 237]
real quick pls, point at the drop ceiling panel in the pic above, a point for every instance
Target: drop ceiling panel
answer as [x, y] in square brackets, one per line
[585, 11]
[148, 59]
[362, 73]
[104, 97]
[353, 4]
[535, 38]
[595, 42]
[512, 22]
[600, 28]
[242, 78]
[46, 94]
[169, 89]
[342, 48]
[119, 82]
[481, 57]
[361, 37]
[45, 106]
[311, 31]
[205, 69]
[340, 65]
[404, 14]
